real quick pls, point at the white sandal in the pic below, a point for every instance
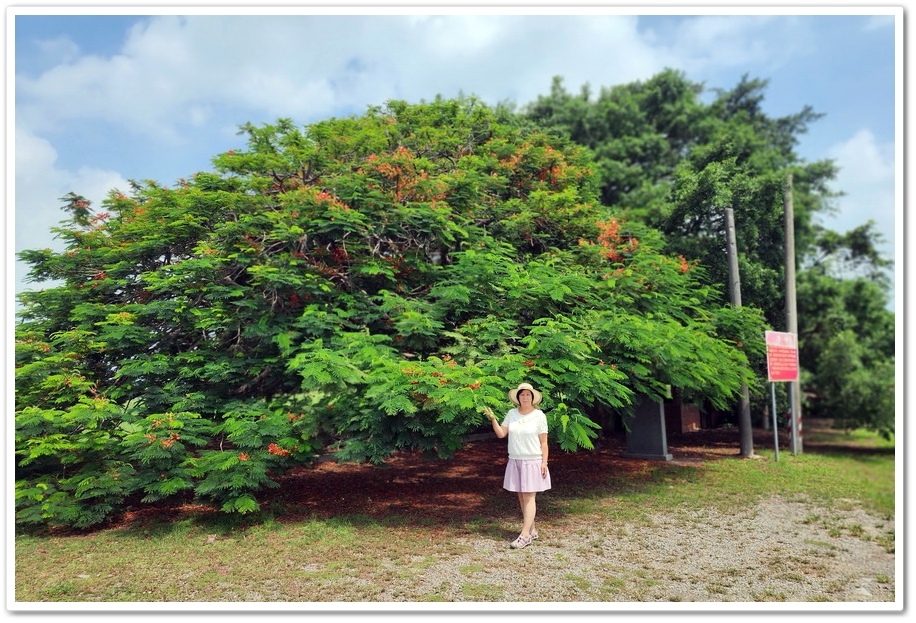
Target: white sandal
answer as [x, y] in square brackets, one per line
[520, 542]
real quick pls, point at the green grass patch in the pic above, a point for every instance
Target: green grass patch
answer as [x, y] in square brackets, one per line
[578, 581]
[834, 478]
[481, 592]
[356, 558]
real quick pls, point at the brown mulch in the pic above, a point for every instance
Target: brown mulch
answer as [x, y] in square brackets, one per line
[470, 484]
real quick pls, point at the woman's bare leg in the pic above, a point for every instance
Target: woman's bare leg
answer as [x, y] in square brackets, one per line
[529, 508]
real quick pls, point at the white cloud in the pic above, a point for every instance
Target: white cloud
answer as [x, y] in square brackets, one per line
[178, 71]
[867, 178]
[39, 185]
[59, 49]
[455, 36]
[878, 22]
[714, 42]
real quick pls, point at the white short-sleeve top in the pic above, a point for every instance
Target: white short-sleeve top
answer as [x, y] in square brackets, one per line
[524, 442]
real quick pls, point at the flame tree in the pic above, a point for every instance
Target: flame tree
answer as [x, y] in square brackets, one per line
[358, 286]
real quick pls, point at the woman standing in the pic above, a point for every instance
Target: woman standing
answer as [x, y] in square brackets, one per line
[526, 471]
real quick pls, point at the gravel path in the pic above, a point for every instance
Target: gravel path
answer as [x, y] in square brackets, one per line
[778, 551]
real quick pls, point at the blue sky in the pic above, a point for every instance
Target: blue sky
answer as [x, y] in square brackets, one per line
[103, 99]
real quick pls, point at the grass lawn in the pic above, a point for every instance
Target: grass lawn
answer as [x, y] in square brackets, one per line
[293, 552]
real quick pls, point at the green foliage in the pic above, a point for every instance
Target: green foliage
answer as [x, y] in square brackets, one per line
[861, 395]
[358, 286]
[668, 160]
[847, 326]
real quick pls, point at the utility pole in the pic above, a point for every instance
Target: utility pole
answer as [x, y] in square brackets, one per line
[792, 312]
[745, 429]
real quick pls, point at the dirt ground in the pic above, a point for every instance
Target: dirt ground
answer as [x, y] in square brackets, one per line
[467, 486]
[463, 487]
[771, 552]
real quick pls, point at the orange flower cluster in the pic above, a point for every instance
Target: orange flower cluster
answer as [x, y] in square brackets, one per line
[410, 184]
[613, 243]
[324, 196]
[277, 450]
[100, 217]
[684, 264]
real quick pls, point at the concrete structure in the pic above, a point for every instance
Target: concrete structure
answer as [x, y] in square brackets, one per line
[646, 437]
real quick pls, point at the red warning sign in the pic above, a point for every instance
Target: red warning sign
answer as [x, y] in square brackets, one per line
[782, 356]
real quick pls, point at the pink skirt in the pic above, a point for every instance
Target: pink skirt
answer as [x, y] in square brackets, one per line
[525, 476]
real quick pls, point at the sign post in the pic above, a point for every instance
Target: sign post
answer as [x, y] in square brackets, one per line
[782, 367]
[775, 425]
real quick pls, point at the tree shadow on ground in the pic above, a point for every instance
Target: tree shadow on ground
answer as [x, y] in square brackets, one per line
[468, 488]
[465, 492]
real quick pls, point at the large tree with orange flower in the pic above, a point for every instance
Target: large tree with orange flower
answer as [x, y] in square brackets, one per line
[358, 286]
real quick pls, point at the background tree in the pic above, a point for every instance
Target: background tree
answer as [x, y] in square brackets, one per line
[670, 160]
[848, 332]
[358, 286]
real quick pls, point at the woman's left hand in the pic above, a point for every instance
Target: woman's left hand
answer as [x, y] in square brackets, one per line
[543, 469]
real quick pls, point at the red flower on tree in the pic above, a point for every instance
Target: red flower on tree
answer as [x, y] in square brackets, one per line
[277, 450]
[685, 265]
